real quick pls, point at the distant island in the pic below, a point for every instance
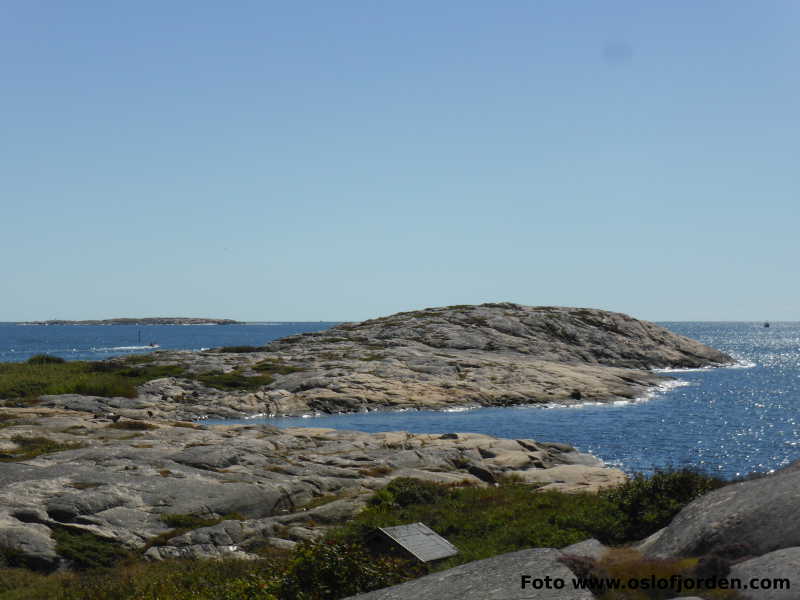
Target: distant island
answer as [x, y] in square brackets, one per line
[141, 321]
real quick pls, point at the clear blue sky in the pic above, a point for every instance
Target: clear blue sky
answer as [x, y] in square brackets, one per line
[319, 160]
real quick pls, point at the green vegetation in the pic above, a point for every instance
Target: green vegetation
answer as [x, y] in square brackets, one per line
[481, 522]
[29, 380]
[85, 550]
[275, 366]
[183, 523]
[133, 426]
[484, 522]
[648, 503]
[31, 447]
[23, 383]
[238, 349]
[234, 380]
[189, 522]
[625, 563]
[45, 359]
[8, 419]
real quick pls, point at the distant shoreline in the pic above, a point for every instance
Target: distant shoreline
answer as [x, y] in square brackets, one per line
[139, 321]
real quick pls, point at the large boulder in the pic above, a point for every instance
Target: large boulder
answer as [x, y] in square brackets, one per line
[749, 518]
[771, 576]
[496, 578]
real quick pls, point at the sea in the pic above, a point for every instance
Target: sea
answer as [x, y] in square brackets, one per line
[729, 421]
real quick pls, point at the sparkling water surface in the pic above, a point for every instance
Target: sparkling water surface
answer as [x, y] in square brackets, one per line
[729, 421]
[96, 342]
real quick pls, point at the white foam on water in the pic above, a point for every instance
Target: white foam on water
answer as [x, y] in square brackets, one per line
[459, 409]
[741, 363]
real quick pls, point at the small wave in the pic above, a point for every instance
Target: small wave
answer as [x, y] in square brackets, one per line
[741, 363]
[459, 409]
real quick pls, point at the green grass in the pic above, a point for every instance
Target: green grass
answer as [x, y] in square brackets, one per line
[27, 381]
[31, 447]
[8, 419]
[182, 523]
[238, 349]
[23, 383]
[165, 580]
[85, 550]
[45, 359]
[133, 426]
[481, 522]
[233, 381]
[484, 522]
[273, 367]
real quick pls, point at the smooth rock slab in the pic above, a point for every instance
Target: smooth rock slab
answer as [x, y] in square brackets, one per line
[496, 578]
[759, 515]
[783, 564]
[590, 548]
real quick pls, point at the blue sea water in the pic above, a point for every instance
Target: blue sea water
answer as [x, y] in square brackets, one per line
[730, 421]
[96, 342]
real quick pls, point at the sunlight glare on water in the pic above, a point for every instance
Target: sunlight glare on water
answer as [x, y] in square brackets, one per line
[730, 421]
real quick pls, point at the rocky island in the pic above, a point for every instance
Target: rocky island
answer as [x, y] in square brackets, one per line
[489, 355]
[139, 321]
[124, 468]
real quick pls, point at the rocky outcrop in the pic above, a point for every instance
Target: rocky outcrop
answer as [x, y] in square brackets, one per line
[256, 484]
[129, 469]
[768, 570]
[750, 526]
[496, 578]
[749, 518]
[487, 355]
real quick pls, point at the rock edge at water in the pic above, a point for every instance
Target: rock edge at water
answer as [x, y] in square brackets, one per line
[123, 481]
[488, 355]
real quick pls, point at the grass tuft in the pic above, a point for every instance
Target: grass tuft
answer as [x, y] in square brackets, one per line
[133, 426]
[27, 381]
[31, 447]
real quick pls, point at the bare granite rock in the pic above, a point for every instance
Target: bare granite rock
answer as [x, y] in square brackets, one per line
[772, 576]
[751, 517]
[141, 462]
[488, 355]
[125, 483]
[496, 578]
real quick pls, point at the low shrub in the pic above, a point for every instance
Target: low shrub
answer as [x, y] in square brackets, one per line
[239, 349]
[273, 367]
[645, 504]
[234, 381]
[680, 577]
[195, 521]
[330, 570]
[405, 491]
[8, 419]
[133, 426]
[45, 359]
[85, 550]
[29, 380]
[31, 447]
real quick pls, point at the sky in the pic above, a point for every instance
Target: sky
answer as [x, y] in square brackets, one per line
[316, 160]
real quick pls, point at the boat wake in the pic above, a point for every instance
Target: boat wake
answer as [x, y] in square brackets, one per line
[118, 348]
